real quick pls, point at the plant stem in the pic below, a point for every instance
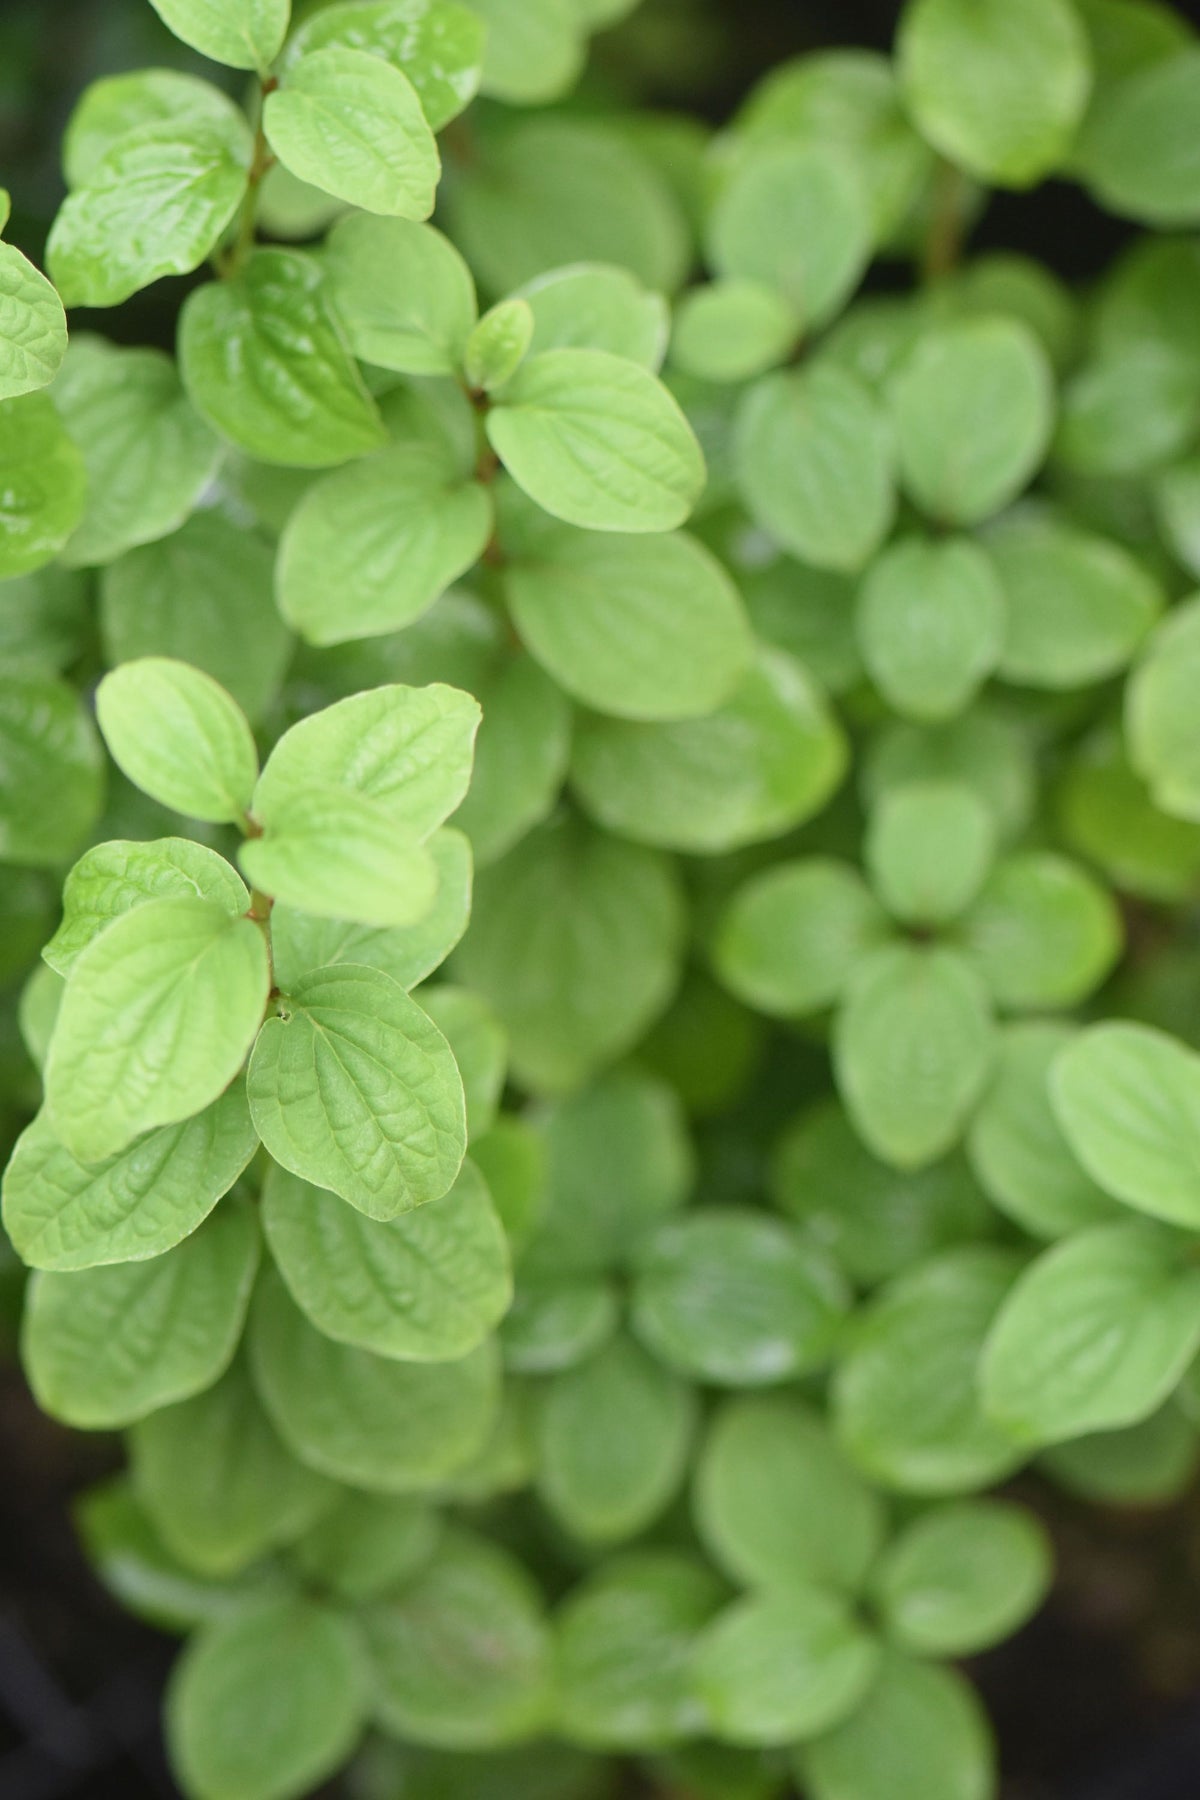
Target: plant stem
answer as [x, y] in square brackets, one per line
[262, 160]
[944, 236]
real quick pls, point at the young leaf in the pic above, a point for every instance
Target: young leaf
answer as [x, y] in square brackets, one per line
[792, 936]
[598, 442]
[403, 293]
[45, 484]
[928, 849]
[353, 1088]
[34, 340]
[920, 1734]
[931, 624]
[179, 736]
[263, 359]
[426, 1287]
[352, 125]
[112, 878]
[776, 1668]
[103, 1347]
[340, 855]
[498, 345]
[51, 770]
[157, 1019]
[245, 34]
[962, 1577]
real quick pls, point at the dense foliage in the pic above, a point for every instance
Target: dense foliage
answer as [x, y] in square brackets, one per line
[581, 1319]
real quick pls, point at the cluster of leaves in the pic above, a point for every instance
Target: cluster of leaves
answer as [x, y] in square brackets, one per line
[605, 1352]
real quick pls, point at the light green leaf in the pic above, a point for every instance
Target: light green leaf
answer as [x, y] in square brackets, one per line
[263, 359]
[1137, 151]
[480, 1048]
[928, 848]
[1175, 495]
[111, 878]
[427, 1287]
[389, 1427]
[732, 329]
[998, 86]
[245, 34]
[340, 856]
[157, 1019]
[931, 624]
[370, 547]
[777, 1504]
[1130, 413]
[972, 407]
[1160, 717]
[44, 484]
[437, 44]
[813, 460]
[637, 627]
[598, 306]
[521, 755]
[402, 292]
[461, 1655]
[300, 941]
[1128, 1099]
[533, 49]
[217, 1483]
[554, 1324]
[115, 107]
[913, 1049]
[367, 1544]
[765, 761]
[963, 1577]
[1095, 1334]
[204, 596]
[352, 125]
[778, 1668]
[598, 442]
[576, 940]
[37, 1012]
[920, 1734]
[148, 456]
[268, 1702]
[33, 340]
[406, 749]
[906, 1405]
[498, 345]
[104, 1347]
[1043, 932]
[987, 750]
[792, 936]
[51, 769]
[64, 1214]
[179, 736]
[353, 1088]
[511, 1158]
[156, 203]
[612, 1438]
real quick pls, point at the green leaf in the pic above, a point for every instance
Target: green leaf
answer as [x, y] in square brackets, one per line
[598, 442]
[205, 596]
[353, 1088]
[44, 484]
[763, 762]
[352, 125]
[268, 1702]
[460, 1657]
[598, 306]
[1151, 1464]
[371, 547]
[44, 619]
[1129, 413]
[1137, 151]
[963, 1577]
[1128, 1099]
[776, 1503]
[427, 1287]
[1160, 718]
[407, 749]
[367, 1544]
[732, 329]
[931, 622]
[147, 454]
[913, 1049]
[64, 1214]
[300, 941]
[1043, 932]
[905, 1401]
[117, 106]
[512, 1160]
[533, 49]
[920, 1734]
[404, 295]
[998, 86]
[521, 755]
[987, 750]
[1176, 499]
[735, 1299]
[876, 1221]
[114, 877]
[51, 769]
[480, 1048]
[929, 846]
[369, 1421]
[245, 34]
[34, 339]
[792, 936]
[623, 1645]
[37, 1012]
[1003, 281]
[776, 1668]
[217, 1483]
[813, 461]
[157, 1019]
[1018, 1148]
[262, 357]
[1077, 605]
[612, 1438]
[180, 737]
[339, 855]
[1095, 1334]
[553, 1324]
[156, 203]
[972, 407]
[498, 345]
[104, 1347]
[437, 44]
[576, 940]
[637, 627]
